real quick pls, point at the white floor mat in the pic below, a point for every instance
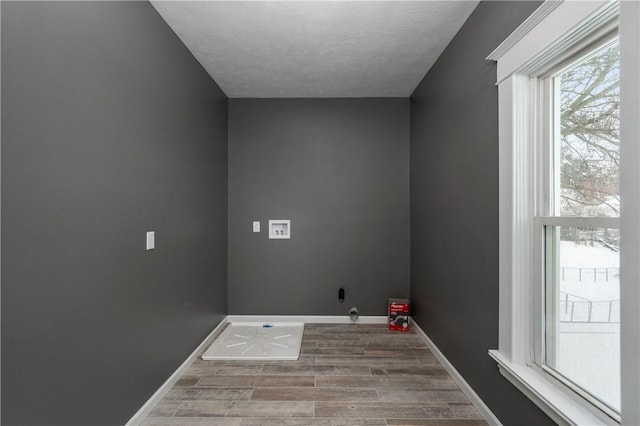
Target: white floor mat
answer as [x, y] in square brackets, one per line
[257, 341]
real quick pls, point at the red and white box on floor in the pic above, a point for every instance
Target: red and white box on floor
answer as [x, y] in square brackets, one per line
[398, 317]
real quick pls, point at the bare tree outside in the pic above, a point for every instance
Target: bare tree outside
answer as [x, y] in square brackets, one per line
[589, 127]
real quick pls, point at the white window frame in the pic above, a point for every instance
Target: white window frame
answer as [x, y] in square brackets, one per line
[554, 32]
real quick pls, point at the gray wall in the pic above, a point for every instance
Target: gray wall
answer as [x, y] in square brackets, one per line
[454, 207]
[110, 128]
[339, 169]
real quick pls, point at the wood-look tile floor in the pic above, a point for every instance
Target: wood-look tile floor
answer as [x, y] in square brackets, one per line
[346, 375]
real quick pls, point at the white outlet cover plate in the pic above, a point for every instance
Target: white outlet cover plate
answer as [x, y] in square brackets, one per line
[151, 240]
[257, 341]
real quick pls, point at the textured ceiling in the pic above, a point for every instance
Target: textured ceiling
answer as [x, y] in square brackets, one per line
[275, 49]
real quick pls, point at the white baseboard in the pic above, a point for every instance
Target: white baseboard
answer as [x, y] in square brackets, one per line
[308, 319]
[151, 403]
[485, 412]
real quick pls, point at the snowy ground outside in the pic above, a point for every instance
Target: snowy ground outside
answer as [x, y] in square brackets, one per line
[588, 345]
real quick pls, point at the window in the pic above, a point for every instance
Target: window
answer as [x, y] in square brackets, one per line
[577, 224]
[568, 258]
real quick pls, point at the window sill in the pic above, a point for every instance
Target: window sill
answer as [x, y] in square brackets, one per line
[551, 399]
